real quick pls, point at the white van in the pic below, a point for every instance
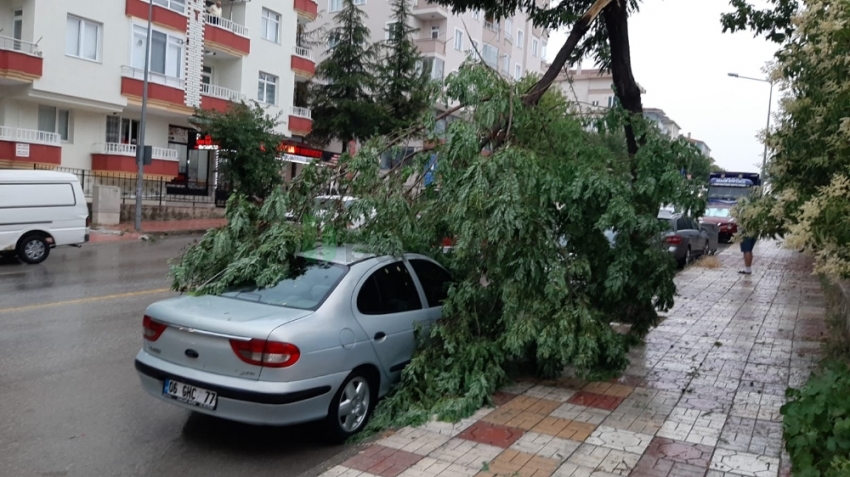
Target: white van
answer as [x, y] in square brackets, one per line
[40, 210]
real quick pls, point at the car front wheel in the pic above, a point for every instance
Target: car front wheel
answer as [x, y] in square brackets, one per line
[33, 249]
[351, 407]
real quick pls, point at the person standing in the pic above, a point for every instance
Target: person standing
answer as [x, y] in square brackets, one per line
[747, 245]
[215, 12]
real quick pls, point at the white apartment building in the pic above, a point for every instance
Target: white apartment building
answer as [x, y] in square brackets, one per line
[665, 124]
[590, 89]
[71, 76]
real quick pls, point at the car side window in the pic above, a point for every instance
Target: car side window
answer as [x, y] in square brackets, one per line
[390, 289]
[435, 281]
[683, 224]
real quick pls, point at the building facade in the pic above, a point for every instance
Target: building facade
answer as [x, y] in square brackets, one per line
[591, 90]
[71, 78]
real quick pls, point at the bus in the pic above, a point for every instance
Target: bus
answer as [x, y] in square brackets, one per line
[726, 188]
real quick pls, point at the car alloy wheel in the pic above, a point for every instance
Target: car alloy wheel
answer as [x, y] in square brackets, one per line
[33, 249]
[354, 405]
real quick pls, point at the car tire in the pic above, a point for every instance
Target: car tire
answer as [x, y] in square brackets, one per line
[686, 259]
[33, 249]
[352, 406]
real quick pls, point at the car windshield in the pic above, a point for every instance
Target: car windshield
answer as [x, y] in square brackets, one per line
[310, 284]
[718, 212]
[722, 192]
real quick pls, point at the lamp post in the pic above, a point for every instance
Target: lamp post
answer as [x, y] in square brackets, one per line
[767, 128]
[140, 145]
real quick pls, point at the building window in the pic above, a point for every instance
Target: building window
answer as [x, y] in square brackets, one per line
[534, 47]
[517, 72]
[334, 5]
[270, 26]
[506, 64]
[612, 100]
[333, 40]
[543, 51]
[176, 5]
[54, 120]
[458, 40]
[391, 31]
[520, 38]
[433, 67]
[83, 38]
[166, 52]
[594, 103]
[122, 130]
[476, 14]
[490, 55]
[206, 75]
[509, 26]
[267, 91]
[435, 32]
[359, 2]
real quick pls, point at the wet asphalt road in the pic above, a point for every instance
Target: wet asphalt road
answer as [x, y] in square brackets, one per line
[70, 401]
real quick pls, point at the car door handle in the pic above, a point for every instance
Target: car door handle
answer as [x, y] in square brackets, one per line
[380, 335]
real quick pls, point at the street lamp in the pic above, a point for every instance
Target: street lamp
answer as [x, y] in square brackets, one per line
[140, 145]
[767, 128]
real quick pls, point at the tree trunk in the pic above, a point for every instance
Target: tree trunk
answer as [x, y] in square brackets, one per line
[616, 18]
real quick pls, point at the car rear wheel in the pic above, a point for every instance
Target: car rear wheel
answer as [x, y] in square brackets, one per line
[351, 407]
[686, 259]
[33, 249]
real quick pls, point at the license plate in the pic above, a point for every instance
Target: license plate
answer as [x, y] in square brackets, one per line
[189, 394]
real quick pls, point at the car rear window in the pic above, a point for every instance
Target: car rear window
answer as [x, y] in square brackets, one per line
[309, 285]
[668, 224]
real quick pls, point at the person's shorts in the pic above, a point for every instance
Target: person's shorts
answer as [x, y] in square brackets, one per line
[747, 244]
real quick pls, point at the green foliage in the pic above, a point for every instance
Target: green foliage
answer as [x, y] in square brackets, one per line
[404, 85]
[775, 23]
[342, 99]
[816, 424]
[810, 168]
[241, 132]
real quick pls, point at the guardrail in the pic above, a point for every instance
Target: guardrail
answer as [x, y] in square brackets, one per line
[221, 92]
[302, 112]
[14, 44]
[30, 136]
[120, 149]
[139, 74]
[226, 24]
[302, 52]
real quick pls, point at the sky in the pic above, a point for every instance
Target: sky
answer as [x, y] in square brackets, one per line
[682, 59]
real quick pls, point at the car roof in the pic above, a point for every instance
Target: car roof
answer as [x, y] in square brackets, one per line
[347, 254]
[36, 176]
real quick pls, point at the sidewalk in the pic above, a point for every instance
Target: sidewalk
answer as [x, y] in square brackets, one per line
[126, 231]
[701, 398]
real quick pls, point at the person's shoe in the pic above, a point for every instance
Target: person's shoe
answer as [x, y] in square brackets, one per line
[744, 271]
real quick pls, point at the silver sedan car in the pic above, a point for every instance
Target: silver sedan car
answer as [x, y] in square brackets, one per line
[322, 345]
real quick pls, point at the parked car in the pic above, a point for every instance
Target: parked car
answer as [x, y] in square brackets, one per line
[322, 345]
[722, 217]
[40, 210]
[684, 238]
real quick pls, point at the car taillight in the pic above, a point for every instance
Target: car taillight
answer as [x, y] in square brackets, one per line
[152, 329]
[272, 354]
[673, 239]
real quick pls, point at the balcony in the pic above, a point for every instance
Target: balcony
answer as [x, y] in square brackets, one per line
[118, 157]
[226, 36]
[219, 98]
[307, 10]
[167, 13]
[20, 61]
[430, 46]
[164, 92]
[425, 10]
[303, 64]
[27, 145]
[300, 121]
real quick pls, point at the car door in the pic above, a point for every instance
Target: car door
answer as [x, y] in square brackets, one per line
[700, 236]
[685, 230]
[435, 281]
[387, 305]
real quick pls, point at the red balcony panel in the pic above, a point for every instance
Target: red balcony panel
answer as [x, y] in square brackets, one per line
[161, 15]
[15, 65]
[39, 153]
[300, 126]
[159, 96]
[226, 40]
[307, 8]
[127, 164]
[303, 66]
[214, 104]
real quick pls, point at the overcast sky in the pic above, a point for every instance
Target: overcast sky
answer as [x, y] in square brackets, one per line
[681, 59]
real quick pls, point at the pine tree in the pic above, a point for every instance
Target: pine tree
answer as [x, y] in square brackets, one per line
[342, 98]
[402, 81]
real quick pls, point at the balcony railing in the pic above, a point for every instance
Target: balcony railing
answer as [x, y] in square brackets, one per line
[226, 24]
[13, 44]
[30, 136]
[119, 149]
[494, 27]
[302, 52]
[302, 112]
[221, 92]
[139, 74]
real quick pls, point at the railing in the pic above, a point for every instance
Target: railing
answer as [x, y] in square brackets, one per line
[221, 92]
[302, 52]
[159, 190]
[119, 149]
[302, 112]
[494, 27]
[29, 136]
[13, 44]
[139, 74]
[226, 24]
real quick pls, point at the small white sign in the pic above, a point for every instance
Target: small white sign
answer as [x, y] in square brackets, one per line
[22, 150]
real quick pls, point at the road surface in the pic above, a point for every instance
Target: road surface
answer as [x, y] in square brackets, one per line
[70, 401]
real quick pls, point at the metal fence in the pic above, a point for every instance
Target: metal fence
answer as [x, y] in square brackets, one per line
[162, 191]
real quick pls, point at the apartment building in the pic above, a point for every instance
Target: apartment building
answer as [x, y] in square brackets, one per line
[590, 89]
[71, 75]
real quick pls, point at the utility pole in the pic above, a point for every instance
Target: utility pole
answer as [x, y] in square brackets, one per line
[140, 145]
[767, 128]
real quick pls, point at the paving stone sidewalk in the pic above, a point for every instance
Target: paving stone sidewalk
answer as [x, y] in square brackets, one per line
[701, 398]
